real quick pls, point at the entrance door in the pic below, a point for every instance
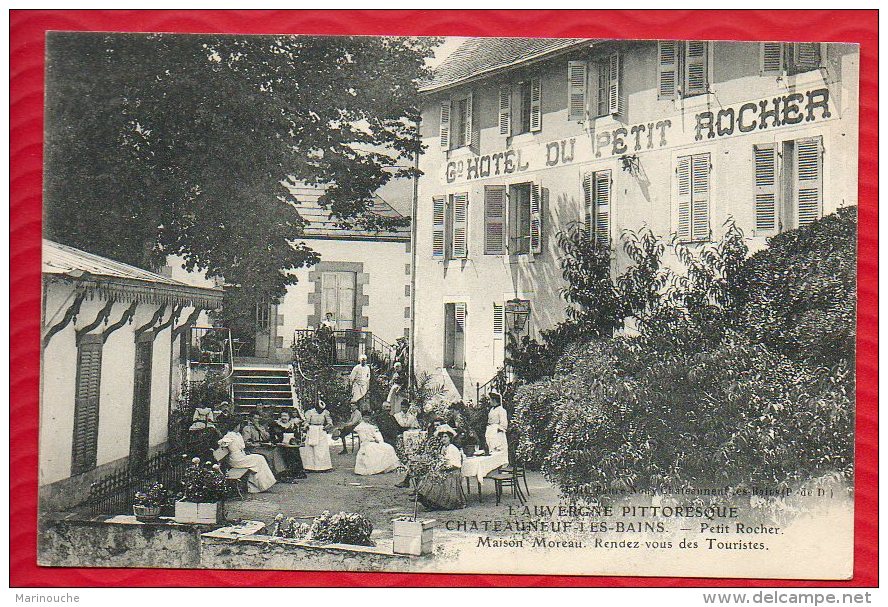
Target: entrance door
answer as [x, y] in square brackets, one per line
[338, 298]
[141, 422]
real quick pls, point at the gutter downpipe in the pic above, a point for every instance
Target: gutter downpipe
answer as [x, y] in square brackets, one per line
[412, 340]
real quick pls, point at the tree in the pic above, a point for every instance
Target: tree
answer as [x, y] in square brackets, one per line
[184, 144]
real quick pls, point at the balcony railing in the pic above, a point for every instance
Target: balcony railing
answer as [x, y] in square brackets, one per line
[344, 347]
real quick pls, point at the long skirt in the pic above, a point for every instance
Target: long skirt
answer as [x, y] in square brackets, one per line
[262, 478]
[376, 458]
[496, 440]
[316, 452]
[443, 493]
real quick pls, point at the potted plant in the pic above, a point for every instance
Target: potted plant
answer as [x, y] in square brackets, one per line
[413, 535]
[203, 494]
[147, 504]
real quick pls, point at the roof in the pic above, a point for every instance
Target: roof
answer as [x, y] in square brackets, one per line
[482, 56]
[321, 225]
[121, 280]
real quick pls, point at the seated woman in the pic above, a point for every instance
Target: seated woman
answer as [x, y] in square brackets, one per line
[375, 455]
[316, 452]
[262, 478]
[442, 489]
[288, 425]
[254, 430]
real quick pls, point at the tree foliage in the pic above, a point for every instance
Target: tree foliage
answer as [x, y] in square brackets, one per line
[184, 144]
[742, 373]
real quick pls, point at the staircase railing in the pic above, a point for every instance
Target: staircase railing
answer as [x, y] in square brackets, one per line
[498, 383]
[209, 351]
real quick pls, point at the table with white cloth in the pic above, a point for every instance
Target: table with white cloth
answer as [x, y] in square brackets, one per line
[479, 466]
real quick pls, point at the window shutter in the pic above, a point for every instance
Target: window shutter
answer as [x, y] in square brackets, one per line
[505, 111]
[536, 219]
[771, 58]
[499, 320]
[536, 105]
[438, 223]
[667, 69]
[696, 69]
[700, 197]
[806, 56]
[765, 177]
[614, 99]
[603, 88]
[809, 179]
[445, 124]
[459, 315]
[494, 219]
[468, 125]
[588, 209]
[576, 87]
[683, 173]
[86, 404]
[460, 225]
[602, 195]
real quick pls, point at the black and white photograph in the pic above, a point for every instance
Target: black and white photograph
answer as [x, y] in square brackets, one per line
[566, 306]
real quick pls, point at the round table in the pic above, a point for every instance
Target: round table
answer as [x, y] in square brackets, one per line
[480, 466]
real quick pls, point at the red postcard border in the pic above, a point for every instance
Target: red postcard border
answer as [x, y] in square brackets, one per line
[27, 30]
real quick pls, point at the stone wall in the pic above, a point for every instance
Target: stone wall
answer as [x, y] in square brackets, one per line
[122, 541]
[117, 541]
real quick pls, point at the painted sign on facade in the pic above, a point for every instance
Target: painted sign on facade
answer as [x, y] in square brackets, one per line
[725, 122]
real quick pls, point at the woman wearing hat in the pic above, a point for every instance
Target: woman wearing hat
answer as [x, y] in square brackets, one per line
[443, 490]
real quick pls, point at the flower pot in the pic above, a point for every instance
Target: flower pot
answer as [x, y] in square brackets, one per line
[413, 537]
[146, 514]
[198, 512]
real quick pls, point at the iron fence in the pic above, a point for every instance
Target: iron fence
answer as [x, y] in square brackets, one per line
[113, 493]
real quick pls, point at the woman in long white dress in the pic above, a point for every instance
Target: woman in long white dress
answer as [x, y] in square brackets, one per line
[375, 455]
[262, 478]
[497, 425]
[316, 452]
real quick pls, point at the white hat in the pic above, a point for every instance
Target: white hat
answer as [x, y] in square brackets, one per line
[362, 357]
[445, 429]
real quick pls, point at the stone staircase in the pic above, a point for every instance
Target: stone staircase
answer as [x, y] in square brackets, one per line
[269, 384]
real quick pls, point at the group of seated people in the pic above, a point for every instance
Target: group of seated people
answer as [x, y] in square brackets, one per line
[303, 442]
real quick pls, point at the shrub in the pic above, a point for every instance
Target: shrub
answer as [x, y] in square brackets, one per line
[312, 357]
[342, 528]
[803, 295]
[203, 483]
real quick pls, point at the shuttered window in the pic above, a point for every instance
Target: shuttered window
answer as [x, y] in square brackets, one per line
[692, 174]
[505, 110]
[536, 219]
[771, 58]
[610, 99]
[460, 204]
[438, 226]
[499, 320]
[808, 180]
[597, 195]
[765, 180]
[494, 220]
[696, 68]
[536, 105]
[86, 404]
[791, 58]
[667, 69]
[788, 186]
[454, 335]
[805, 57]
[682, 68]
[468, 132]
[445, 124]
[576, 90]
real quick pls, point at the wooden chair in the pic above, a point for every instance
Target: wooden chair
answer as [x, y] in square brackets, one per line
[236, 478]
[510, 475]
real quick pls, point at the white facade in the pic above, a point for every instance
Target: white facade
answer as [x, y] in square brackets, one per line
[641, 149]
[135, 307]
